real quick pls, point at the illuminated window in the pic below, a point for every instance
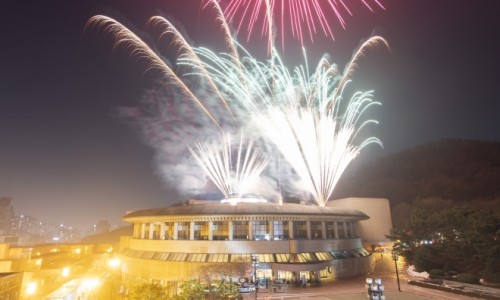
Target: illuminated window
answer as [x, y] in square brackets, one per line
[196, 257]
[183, 231]
[281, 230]
[283, 257]
[240, 258]
[330, 230]
[240, 230]
[300, 230]
[201, 230]
[260, 230]
[218, 257]
[324, 255]
[340, 226]
[266, 258]
[220, 230]
[169, 230]
[316, 230]
[307, 257]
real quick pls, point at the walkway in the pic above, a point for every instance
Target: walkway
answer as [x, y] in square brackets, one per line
[355, 288]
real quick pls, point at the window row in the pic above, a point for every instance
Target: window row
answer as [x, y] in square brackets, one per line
[245, 230]
[306, 257]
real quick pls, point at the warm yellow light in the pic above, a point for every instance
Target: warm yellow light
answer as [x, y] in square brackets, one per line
[114, 262]
[65, 272]
[90, 283]
[110, 249]
[38, 262]
[31, 290]
[78, 251]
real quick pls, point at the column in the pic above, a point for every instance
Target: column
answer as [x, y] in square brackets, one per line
[323, 230]
[352, 229]
[250, 230]
[230, 230]
[162, 231]
[336, 229]
[176, 229]
[290, 230]
[191, 230]
[345, 230]
[210, 230]
[271, 230]
[143, 230]
[151, 230]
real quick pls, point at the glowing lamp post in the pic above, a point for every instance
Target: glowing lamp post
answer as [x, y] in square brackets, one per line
[375, 289]
[255, 264]
[395, 258]
[31, 290]
[114, 264]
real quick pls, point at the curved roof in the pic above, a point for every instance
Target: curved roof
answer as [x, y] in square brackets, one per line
[245, 209]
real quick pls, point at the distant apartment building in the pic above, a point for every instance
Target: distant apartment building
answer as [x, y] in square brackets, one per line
[6, 214]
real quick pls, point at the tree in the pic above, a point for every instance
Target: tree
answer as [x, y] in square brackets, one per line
[191, 290]
[149, 291]
[464, 239]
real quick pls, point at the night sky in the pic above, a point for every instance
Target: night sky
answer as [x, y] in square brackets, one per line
[65, 157]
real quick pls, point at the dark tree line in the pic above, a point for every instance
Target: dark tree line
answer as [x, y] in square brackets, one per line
[462, 239]
[434, 176]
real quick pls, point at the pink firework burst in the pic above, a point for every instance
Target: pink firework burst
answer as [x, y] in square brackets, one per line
[303, 18]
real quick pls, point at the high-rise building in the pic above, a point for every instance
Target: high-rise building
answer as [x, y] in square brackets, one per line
[6, 214]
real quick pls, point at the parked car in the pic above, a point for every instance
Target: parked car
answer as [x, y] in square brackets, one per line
[246, 287]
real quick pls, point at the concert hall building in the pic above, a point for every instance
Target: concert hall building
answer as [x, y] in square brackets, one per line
[294, 243]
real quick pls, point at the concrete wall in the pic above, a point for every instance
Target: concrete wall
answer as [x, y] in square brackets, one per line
[378, 226]
[242, 247]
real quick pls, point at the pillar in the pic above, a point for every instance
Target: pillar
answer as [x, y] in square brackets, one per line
[336, 229]
[323, 230]
[143, 230]
[210, 230]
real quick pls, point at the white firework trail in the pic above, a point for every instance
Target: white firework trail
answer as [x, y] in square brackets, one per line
[301, 114]
[232, 175]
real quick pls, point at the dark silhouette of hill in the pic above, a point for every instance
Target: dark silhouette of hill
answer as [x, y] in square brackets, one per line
[437, 175]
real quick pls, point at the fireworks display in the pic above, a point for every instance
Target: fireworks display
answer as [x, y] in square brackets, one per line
[304, 116]
[232, 178]
[302, 18]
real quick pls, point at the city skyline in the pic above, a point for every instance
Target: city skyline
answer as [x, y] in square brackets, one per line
[65, 155]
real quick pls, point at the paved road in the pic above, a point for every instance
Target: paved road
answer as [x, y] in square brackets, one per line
[355, 288]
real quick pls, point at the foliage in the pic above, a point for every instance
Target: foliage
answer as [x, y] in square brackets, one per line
[191, 290]
[491, 276]
[463, 238]
[468, 278]
[434, 176]
[436, 273]
[148, 291]
[223, 289]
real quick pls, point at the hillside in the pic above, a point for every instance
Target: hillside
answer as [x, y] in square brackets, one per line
[434, 176]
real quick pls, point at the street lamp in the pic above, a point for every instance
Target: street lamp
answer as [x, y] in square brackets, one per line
[375, 289]
[31, 290]
[255, 264]
[395, 258]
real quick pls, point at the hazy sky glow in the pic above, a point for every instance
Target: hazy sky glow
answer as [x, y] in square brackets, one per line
[65, 157]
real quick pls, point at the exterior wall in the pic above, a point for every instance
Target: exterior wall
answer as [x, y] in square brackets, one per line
[242, 247]
[351, 267]
[375, 229]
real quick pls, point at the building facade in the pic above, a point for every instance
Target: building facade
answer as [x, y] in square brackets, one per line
[292, 242]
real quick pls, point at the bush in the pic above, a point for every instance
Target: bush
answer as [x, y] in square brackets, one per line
[436, 273]
[468, 278]
[493, 277]
[427, 258]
